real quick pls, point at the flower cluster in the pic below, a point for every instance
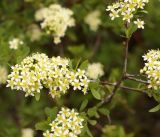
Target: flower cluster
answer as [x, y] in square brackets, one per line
[28, 75]
[38, 71]
[95, 70]
[56, 20]
[93, 20]
[68, 123]
[3, 75]
[126, 10]
[152, 68]
[15, 43]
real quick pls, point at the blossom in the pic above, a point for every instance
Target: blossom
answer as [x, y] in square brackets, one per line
[93, 20]
[27, 132]
[55, 20]
[41, 14]
[152, 68]
[68, 123]
[28, 75]
[34, 32]
[38, 71]
[139, 23]
[95, 70]
[114, 14]
[15, 43]
[3, 74]
[126, 10]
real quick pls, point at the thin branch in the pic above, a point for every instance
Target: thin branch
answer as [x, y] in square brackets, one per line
[135, 75]
[137, 80]
[118, 84]
[124, 87]
[61, 50]
[126, 56]
[96, 46]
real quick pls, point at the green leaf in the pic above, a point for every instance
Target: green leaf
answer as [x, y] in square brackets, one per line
[76, 50]
[71, 64]
[37, 96]
[84, 65]
[43, 126]
[130, 30]
[92, 112]
[51, 112]
[104, 111]
[89, 132]
[75, 63]
[84, 130]
[92, 122]
[155, 109]
[21, 53]
[94, 85]
[96, 94]
[84, 105]
[144, 11]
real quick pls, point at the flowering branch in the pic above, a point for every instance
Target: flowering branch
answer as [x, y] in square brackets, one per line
[123, 77]
[121, 9]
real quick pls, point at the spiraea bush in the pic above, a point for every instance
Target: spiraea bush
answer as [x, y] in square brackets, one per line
[79, 68]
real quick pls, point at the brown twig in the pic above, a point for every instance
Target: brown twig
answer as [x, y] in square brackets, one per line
[97, 45]
[126, 57]
[123, 87]
[123, 77]
[135, 75]
[137, 80]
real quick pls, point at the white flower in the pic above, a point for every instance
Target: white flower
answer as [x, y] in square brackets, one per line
[152, 68]
[47, 134]
[3, 74]
[15, 43]
[131, 7]
[27, 132]
[56, 20]
[41, 14]
[114, 14]
[38, 71]
[126, 9]
[95, 70]
[28, 75]
[127, 17]
[139, 23]
[68, 123]
[93, 20]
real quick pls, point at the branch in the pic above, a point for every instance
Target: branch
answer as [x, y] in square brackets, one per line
[124, 87]
[116, 86]
[123, 77]
[126, 57]
[96, 46]
[137, 80]
[135, 75]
